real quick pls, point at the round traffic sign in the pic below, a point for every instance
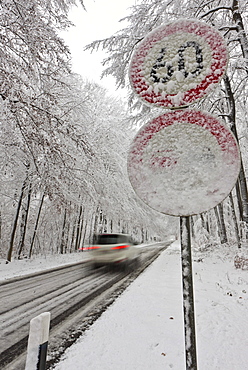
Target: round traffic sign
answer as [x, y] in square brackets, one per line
[178, 63]
[184, 162]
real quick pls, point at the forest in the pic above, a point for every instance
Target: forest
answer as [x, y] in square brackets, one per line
[64, 140]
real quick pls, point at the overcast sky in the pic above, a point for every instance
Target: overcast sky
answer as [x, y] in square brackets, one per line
[100, 21]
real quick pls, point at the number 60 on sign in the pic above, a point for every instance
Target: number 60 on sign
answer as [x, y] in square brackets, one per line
[178, 63]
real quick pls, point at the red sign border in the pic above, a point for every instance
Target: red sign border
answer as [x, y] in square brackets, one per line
[219, 62]
[223, 135]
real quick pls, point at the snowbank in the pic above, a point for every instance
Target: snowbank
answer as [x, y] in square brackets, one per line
[36, 264]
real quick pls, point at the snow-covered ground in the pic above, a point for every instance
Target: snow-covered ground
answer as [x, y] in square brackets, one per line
[36, 264]
[143, 329]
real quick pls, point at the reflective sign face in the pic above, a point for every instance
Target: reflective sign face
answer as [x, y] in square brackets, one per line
[184, 162]
[178, 63]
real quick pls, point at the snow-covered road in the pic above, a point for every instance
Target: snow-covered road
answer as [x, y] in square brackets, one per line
[61, 291]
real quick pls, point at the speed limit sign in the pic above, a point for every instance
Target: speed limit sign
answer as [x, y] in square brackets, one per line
[184, 162]
[178, 63]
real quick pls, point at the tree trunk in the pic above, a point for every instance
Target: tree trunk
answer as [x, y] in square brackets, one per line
[142, 235]
[192, 226]
[105, 224]
[239, 200]
[81, 228]
[91, 232]
[78, 227]
[36, 225]
[85, 230]
[238, 21]
[24, 222]
[236, 228]
[243, 41]
[62, 242]
[204, 219]
[212, 225]
[97, 215]
[222, 224]
[73, 231]
[218, 223]
[1, 222]
[244, 194]
[67, 231]
[12, 236]
[242, 185]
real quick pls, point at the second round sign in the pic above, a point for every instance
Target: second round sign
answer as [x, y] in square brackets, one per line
[183, 163]
[178, 63]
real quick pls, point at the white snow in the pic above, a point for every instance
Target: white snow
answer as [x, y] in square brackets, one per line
[29, 266]
[178, 165]
[38, 334]
[143, 329]
[178, 63]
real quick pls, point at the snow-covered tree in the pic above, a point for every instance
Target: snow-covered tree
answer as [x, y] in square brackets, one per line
[227, 101]
[63, 142]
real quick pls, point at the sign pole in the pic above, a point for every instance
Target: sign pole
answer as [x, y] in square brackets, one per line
[188, 294]
[166, 150]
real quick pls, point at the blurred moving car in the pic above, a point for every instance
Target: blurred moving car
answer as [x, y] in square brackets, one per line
[114, 249]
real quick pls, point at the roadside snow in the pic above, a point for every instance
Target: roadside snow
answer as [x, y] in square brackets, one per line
[36, 264]
[143, 329]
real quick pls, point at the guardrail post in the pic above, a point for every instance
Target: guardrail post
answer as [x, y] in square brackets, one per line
[38, 342]
[188, 295]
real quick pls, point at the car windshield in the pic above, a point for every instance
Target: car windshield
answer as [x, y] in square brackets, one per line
[111, 239]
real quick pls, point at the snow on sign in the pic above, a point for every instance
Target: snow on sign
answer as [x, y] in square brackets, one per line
[178, 63]
[184, 162]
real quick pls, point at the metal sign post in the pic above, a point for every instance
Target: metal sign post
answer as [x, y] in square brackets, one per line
[184, 162]
[188, 295]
